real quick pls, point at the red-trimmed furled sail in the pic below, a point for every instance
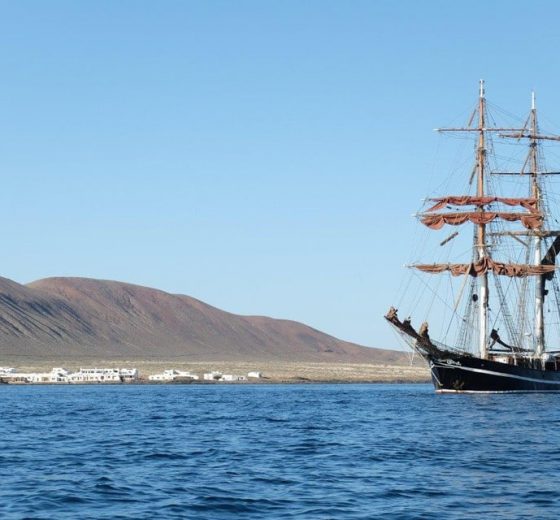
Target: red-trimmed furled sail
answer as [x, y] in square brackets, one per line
[529, 203]
[531, 220]
[486, 265]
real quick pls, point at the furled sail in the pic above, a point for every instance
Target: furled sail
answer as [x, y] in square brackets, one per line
[486, 265]
[438, 220]
[529, 204]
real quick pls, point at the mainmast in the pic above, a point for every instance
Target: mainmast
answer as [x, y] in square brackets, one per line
[536, 193]
[540, 261]
[481, 228]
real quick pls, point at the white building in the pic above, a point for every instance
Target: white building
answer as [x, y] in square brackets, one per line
[212, 376]
[95, 375]
[56, 375]
[232, 377]
[171, 375]
[256, 375]
[104, 375]
[128, 374]
[84, 375]
[219, 376]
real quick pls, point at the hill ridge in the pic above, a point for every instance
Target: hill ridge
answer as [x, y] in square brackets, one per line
[72, 318]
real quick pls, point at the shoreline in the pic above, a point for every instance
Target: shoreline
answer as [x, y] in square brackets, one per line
[273, 372]
[223, 383]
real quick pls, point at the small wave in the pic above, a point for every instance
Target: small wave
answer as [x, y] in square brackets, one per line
[291, 452]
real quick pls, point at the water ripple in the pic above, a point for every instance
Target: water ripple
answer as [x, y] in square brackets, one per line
[276, 452]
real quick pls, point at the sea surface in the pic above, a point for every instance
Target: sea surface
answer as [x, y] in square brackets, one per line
[276, 452]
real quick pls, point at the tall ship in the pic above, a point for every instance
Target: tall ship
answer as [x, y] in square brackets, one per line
[493, 290]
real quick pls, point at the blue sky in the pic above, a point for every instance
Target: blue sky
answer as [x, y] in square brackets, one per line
[263, 156]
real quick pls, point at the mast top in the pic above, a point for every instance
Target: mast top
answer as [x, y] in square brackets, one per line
[533, 100]
[481, 88]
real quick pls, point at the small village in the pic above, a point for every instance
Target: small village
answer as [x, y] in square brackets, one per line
[61, 375]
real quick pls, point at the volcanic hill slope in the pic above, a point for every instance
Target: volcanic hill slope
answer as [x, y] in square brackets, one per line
[78, 318]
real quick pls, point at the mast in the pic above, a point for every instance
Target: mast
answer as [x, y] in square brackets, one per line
[550, 257]
[536, 193]
[481, 228]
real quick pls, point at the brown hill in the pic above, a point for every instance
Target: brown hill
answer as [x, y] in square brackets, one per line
[79, 318]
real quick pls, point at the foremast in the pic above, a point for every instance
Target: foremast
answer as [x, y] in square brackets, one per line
[536, 193]
[481, 228]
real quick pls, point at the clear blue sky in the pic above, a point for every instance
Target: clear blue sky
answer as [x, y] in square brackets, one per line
[263, 156]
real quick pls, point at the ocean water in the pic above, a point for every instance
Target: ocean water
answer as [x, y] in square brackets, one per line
[276, 452]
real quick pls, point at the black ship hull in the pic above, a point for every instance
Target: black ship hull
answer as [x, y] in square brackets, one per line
[468, 374]
[456, 372]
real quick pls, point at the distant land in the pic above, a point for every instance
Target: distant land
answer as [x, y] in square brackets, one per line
[74, 319]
